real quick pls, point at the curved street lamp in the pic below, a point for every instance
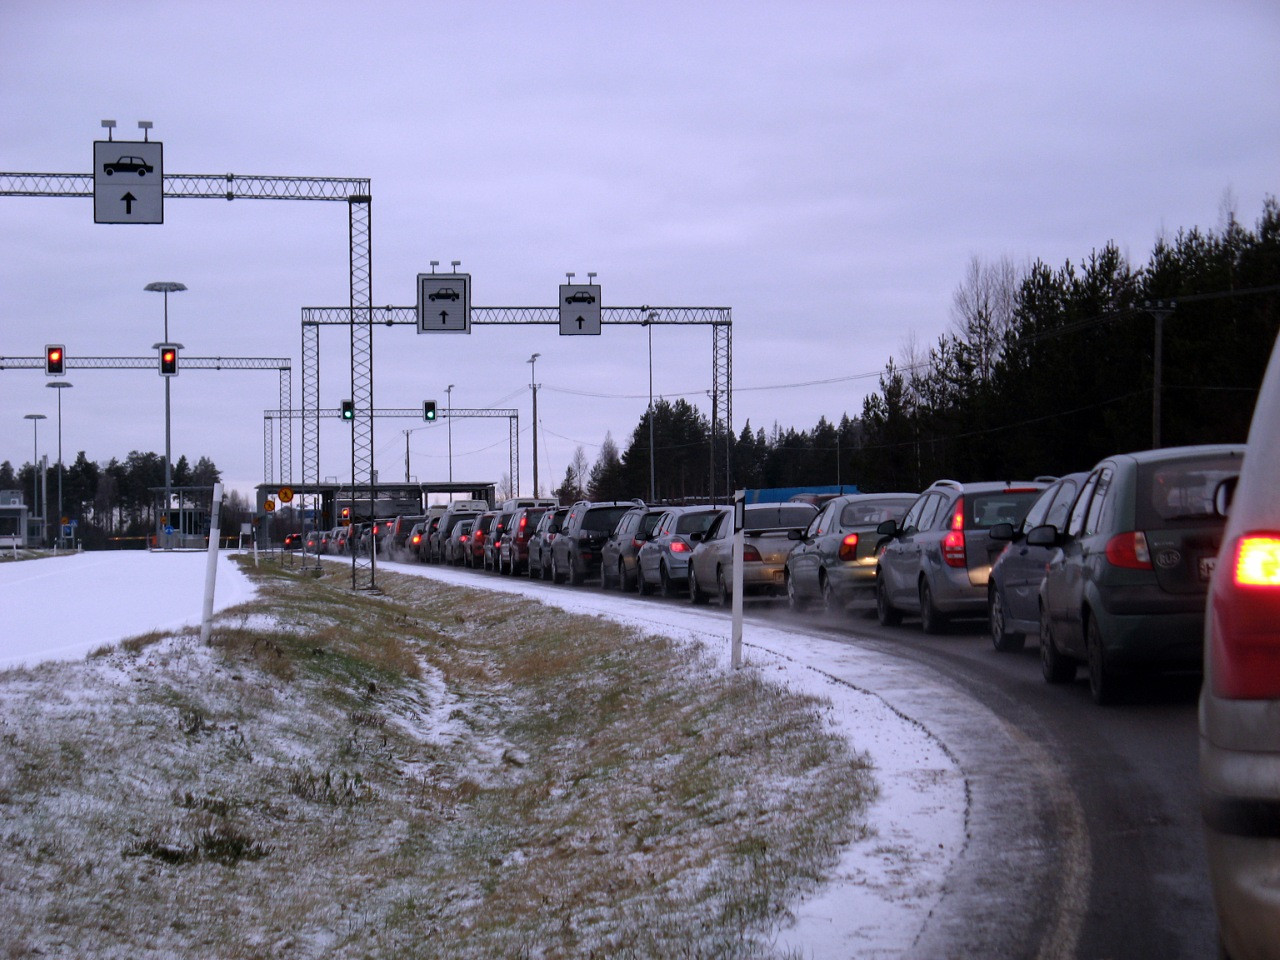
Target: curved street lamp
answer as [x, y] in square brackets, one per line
[533, 368]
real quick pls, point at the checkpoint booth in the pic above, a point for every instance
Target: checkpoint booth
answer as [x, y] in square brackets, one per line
[183, 522]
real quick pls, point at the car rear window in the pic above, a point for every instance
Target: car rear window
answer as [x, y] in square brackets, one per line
[603, 519]
[872, 512]
[1173, 493]
[779, 518]
[696, 522]
[1004, 506]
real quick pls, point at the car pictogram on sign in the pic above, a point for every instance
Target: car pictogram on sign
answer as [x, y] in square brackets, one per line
[580, 296]
[128, 165]
[444, 293]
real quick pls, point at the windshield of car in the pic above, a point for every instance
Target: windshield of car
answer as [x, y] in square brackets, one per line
[873, 512]
[779, 518]
[1170, 493]
[1004, 506]
[603, 519]
[696, 522]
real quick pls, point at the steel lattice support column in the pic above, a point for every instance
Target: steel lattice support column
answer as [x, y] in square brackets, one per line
[363, 570]
[722, 397]
[267, 448]
[311, 411]
[513, 440]
[286, 430]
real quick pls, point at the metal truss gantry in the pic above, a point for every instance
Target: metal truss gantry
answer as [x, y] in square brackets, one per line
[356, 193]
[414, 413]
[282, 364]
[720, 319]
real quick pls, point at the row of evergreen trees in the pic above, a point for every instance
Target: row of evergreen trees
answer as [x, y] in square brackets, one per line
[111, 500]
[1044, 371]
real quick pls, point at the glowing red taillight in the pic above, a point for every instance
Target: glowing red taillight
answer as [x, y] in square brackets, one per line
[679, 546]
[1129, 550]
[1244, 614]
[750, 554]
[1257, 560]
[524, 522]
[417, 538]
[849, 547]
[953, 553]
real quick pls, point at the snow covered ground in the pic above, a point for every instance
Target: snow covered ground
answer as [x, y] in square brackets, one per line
[63, 607]
[883, 891]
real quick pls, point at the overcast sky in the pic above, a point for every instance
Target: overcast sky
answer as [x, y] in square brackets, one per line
[827, 170]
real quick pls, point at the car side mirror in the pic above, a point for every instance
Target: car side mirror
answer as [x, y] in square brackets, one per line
[887, 528]
[794, 534]
[1044, 536]
[1224, 494]
[1002, 532]
[696, 536]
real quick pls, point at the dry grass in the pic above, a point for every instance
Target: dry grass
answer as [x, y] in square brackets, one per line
[436, 772]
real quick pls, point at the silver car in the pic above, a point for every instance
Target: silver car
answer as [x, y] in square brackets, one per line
[663, 559]
[767, 540]
[834, 562]
[938, 559]
[1240, 698]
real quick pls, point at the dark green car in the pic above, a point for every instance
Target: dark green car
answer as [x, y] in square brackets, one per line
[1125, 590]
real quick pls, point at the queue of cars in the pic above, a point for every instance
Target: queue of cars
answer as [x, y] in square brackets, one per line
[1161, 559]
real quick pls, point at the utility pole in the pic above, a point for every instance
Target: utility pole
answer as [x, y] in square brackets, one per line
[1159, 310]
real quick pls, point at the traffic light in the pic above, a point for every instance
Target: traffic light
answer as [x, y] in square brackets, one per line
[348, 410]
[168, 360]
[55, 360]
[428, 410]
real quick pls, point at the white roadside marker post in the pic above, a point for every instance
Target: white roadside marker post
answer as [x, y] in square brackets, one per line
[739, 514]
[211, 568]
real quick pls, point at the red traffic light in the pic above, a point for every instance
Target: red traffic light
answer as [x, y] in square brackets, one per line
[55, 360]
[168, 361]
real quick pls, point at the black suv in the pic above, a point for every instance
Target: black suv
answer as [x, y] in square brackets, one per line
[576, 550]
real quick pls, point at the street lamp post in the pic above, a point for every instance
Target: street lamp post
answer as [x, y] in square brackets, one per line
[35, 419]
[167, 287]
[59, 385]
[648, 322]
[533, 385]
[448, 420]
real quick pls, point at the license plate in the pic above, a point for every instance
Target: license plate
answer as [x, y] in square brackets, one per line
[1206, 567]
[778, 575]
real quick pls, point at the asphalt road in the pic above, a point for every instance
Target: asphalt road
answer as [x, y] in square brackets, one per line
[1134, 885]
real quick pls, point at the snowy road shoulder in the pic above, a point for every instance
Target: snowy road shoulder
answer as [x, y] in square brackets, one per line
[887, 885]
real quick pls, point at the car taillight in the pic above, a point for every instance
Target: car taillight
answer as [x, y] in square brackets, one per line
[1129, 550]
[953, 553]
[849, 547]
[1257, 560]
[463, 539]
[1244, 620]
[417, 538]
[479, 535]
[750, 554]
[679, 546]
[524, 521]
